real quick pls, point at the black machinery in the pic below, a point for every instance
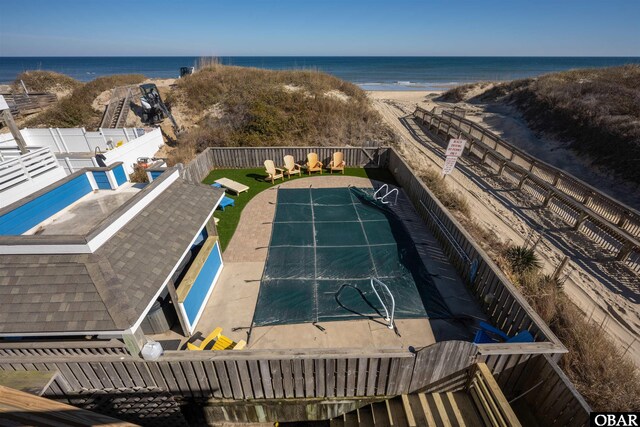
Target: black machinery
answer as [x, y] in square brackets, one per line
[185, 71]
[154, 110]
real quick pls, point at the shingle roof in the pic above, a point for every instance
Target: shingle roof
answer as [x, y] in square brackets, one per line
[109, 289]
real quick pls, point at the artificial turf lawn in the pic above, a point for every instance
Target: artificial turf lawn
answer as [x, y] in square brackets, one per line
[254, 178]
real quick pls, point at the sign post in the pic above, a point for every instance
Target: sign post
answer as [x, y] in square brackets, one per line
[5, 114]
[454, 150]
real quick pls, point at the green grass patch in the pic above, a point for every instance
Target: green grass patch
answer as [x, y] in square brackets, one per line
[254, 179]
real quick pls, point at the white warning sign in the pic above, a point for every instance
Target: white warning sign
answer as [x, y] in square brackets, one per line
[449, 165]
[455, 147]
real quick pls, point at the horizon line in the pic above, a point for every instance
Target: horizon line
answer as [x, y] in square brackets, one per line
[323, 56]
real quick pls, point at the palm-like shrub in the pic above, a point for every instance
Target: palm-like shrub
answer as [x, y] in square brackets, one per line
[522, 259]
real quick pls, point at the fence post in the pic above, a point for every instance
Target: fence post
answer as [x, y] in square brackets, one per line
[68, 163]
[547, 198]
[583, 216]
[55, 141]
[558, 271]
[625, 251]
[62, 141]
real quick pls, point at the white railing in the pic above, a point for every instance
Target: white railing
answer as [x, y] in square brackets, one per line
[73, 140]
[388, 316]
[387, 193]
[28, 173]
[26, 167]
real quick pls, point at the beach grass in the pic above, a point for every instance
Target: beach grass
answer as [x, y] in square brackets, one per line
[251, 107]
[76, 110]
[595, 111]
[254, 179]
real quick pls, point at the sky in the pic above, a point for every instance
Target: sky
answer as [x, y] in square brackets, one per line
[320, 27]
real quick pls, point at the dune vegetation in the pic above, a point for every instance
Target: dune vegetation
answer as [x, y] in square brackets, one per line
[597, 111]
[45, 81]
[607, 379]
[253, 107]
[76, 110]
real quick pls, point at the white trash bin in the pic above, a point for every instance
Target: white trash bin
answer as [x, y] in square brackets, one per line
[152, 350]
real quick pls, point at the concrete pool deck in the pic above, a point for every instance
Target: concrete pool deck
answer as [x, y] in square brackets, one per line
[233, 300]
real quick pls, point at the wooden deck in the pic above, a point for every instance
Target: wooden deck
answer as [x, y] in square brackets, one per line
[18, 408]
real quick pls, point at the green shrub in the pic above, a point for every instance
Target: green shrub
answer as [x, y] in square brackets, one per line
[522, 260]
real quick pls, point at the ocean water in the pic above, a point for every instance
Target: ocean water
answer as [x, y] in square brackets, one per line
[371, 73]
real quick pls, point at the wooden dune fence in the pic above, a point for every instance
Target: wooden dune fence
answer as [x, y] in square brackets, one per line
[606, 221]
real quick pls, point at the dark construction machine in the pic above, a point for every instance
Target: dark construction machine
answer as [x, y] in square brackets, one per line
[154, 110]
[185, 71]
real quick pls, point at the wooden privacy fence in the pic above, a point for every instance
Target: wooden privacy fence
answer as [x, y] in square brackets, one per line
[542, 386]
[606, 221]
[254, 157]
[257, 374]
[499, 299]
[47, 348]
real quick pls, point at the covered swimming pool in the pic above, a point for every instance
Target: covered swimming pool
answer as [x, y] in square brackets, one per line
[326, 245]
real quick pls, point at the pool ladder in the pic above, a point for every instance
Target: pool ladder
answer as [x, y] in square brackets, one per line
[387, 193]
[387, 317]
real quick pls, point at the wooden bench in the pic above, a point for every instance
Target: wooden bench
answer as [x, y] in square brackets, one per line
[231, 185]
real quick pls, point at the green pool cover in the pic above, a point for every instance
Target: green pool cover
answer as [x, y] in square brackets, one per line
[326, 245]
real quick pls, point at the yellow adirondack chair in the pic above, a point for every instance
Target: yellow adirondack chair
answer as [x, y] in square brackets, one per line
[313, 164]
[290, 166]
[226, 343]
[221, 342]
[272, 171]
[337, 163]
[212, 336]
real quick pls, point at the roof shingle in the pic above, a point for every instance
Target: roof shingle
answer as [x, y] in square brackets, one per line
[111, 288]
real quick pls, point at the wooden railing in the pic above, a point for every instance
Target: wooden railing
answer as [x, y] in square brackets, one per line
[120, 98]
[606, 221]
[489, 399]
[545, 389]
[22, 104]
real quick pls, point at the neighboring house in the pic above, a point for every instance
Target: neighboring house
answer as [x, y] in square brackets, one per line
[54, 153]
[75, 148]
[90, 254]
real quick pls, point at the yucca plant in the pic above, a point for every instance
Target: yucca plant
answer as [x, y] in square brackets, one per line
[522, 259]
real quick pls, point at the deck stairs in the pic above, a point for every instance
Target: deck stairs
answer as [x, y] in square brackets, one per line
[115, 114]
[479, 403]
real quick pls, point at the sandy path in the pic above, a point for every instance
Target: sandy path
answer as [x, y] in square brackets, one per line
[502, 212]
